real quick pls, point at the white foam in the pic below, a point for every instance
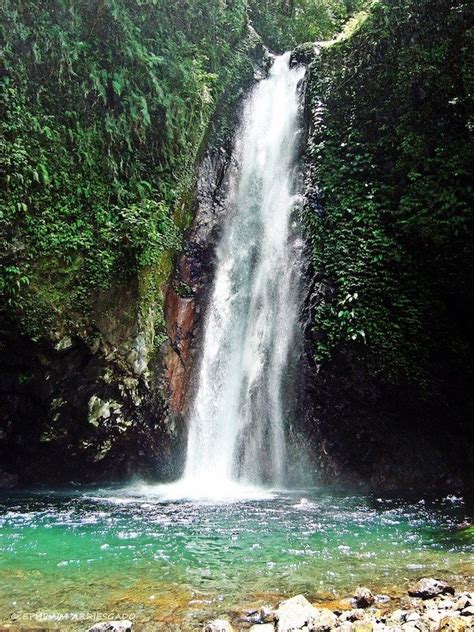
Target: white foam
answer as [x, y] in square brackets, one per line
[207, 491]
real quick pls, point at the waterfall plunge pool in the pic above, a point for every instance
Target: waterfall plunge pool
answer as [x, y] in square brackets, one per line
[142, 552]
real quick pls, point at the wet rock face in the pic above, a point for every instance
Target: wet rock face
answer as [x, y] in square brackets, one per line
[8, 481]
[187, 295]
[71, 414]
[192, 280]
[362, 431]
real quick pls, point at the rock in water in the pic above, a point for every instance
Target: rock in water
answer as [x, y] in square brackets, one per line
[427, 588]
[112, 626]
[363, 597]
[219, 625]
[298, 614]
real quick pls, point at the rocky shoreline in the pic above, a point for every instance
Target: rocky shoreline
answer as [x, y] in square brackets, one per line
[430, 605]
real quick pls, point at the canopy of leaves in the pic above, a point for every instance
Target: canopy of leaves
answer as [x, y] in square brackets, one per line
[283, 24]
[104, 107]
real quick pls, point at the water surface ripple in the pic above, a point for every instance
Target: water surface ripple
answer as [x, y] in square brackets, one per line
[136, 551]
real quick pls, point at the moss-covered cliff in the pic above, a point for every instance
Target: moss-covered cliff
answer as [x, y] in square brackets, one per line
[105, 106]
[390, 220]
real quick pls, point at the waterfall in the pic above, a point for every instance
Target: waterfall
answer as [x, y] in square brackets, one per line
[236, 423]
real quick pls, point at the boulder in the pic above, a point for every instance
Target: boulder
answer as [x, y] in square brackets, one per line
[218, 625]
[363, 597]
[452, 624]
[265, 627]
[427, 588]
[446, 604]
[468, 612]
[346, 626]
[262, 615]
[112, 626]
[293, 614]
[266, 614]
[364, 626]
[464, 601]
[324, 621]
[432, 615]
[353, 615]
[412, 616]
[298, 614]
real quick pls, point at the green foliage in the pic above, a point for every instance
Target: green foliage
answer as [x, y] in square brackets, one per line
[391, 151]
[283, 24]
[105, 104]
[148, 231]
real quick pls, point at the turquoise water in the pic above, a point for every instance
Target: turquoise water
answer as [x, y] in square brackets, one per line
[170, 564]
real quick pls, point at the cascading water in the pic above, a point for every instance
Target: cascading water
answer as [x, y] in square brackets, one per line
[236, 426]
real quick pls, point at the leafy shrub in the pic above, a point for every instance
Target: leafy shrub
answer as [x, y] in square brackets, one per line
[391, 154]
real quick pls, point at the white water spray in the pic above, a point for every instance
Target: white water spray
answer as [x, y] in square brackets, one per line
[236, 425]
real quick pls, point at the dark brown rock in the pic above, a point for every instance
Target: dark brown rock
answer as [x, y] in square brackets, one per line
[363, 597]
[427, 588]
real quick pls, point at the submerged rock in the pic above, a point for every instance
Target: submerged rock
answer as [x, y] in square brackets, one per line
[427, 588]
[112, 626]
